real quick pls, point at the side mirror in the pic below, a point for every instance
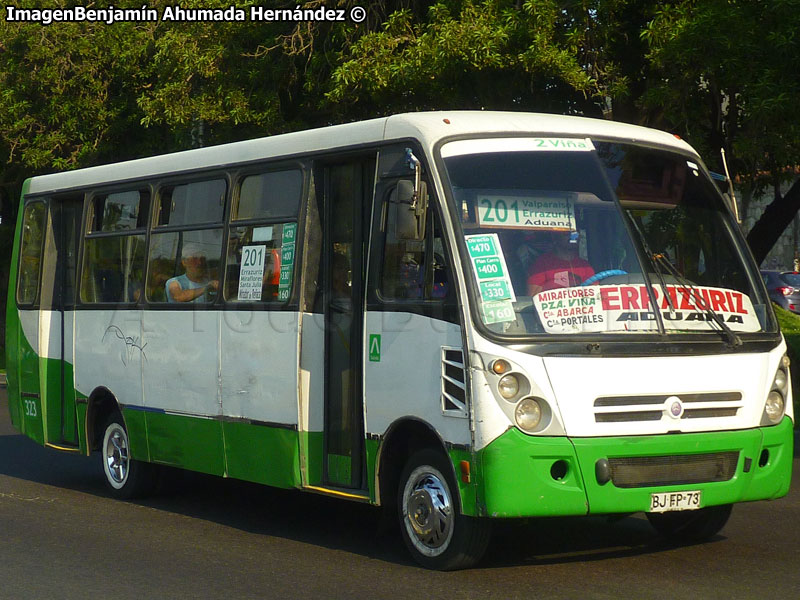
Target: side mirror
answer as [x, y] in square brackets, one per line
[410, 208]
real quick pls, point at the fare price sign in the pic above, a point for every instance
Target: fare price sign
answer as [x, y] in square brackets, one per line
[491, 273]
[287, 260]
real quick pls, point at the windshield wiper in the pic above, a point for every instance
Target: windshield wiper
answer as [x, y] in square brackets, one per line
[658, 260]
[699, 303]
[651, 256]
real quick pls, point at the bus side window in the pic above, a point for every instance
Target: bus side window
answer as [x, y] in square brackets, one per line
[113, 258]
[113, 269]
[191, 258]
[33, 225]
[259, 262]
[414, 270]
[186, 257]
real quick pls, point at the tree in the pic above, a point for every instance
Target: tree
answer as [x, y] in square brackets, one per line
[727, 78]
[491, 54]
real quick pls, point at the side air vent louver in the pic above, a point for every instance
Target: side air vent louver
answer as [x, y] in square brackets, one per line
[454, 387]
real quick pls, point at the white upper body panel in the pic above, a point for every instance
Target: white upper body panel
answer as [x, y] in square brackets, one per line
[429, 128]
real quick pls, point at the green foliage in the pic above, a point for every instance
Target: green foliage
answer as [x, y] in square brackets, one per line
[789, 322]
[56, 94]
[719, 72]
[483, 54]
[727, 78]
[76, 94]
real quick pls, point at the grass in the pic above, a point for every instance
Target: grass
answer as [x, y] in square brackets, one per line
[790, 326]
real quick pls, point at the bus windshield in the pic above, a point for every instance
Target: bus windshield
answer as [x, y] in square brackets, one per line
[560, 232]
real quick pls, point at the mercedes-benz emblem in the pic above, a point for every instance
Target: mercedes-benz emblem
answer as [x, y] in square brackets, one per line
[675, 407]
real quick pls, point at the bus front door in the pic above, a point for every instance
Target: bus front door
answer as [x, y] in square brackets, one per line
[347, 193]
[56, 320]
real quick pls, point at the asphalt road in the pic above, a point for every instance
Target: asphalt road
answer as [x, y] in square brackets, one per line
[62, 537]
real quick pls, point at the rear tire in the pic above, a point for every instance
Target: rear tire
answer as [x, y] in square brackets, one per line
[125, 478]
[691, 525]
[433, 528]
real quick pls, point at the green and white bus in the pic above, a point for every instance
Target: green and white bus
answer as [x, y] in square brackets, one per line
[459, 316]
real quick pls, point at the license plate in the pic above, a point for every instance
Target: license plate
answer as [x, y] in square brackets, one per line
[667, 501]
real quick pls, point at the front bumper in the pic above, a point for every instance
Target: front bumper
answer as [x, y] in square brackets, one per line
[529, 476]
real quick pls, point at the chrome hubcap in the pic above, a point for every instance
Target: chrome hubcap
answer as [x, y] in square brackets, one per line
[429, 512]
[117, 460]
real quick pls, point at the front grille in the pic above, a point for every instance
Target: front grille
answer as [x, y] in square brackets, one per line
[646, 471]
[627, 409]
[625, 417]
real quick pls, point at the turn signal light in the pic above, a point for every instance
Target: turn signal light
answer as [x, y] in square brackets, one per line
[500, 366]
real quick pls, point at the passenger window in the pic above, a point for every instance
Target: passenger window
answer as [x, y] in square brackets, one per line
[414, 270]
[272, 195]
[260, 263]
[113, 269]
[33, 224]
[113, 257]
[261, 254]
[120, 211]
[184, 266]
[192, 203]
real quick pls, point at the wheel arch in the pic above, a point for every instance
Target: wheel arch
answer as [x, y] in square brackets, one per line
[403, 439]
[102, 403]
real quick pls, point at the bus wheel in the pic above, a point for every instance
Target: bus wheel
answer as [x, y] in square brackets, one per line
[691, 525]
[433, 528]
[126, 478]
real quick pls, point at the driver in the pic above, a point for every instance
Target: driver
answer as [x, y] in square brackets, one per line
[560, 266]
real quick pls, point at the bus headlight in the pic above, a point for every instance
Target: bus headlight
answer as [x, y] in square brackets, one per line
[774, 407]
[528, 414]
[508, 386]
[780, 381]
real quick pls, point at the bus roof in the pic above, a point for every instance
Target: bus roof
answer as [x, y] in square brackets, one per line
[427, 127]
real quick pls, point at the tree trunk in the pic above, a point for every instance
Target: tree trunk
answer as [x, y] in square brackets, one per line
[776, 218]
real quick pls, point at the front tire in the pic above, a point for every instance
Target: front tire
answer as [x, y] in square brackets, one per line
[125, 478]
[433, 528]
[691, 525]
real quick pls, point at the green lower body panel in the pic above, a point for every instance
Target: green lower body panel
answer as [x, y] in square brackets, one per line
[252, 452]
[136, 425]
[263, 454]
[339, 469]
[371, 450]
[187, 442]
[466, 486]
[41, 397]
[526, 476]
[312, 443]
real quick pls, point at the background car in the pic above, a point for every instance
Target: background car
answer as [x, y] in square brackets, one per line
[784, 289]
